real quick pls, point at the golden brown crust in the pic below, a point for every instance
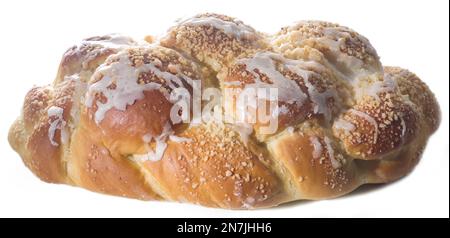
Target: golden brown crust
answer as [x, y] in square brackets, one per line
[148, 115]
[348, 51]
[90, 53]
[418, 92]
[380, 126]
[319, 169]
[215, 169]
[203, 38]
[343, 121]
[324, 93]
[93, 166]
[38, 150]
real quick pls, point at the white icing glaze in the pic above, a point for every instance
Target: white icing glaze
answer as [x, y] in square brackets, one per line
[288, 90]
[375, 88]
[160, 145]
[340, 32]
[290, 129]
[281, 110]
[334, 162]
[244, 130]
[147, 138]
[178, 139]
[73, 77]
[334, 38]
[249, 202]
[127, 89]
[234, 28]
[348, 67]
[369, 119]
[116, 42]
[319, 99]
[317, 152]
[344, 125]
[403, 126]
[77, 98]
[55, 124]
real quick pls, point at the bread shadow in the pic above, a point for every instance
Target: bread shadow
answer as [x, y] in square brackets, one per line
[370, 187]
[361, 190]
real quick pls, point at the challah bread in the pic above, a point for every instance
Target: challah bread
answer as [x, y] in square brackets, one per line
[343, 120]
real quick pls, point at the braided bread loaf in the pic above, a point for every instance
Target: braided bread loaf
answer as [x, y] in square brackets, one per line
[343, 119]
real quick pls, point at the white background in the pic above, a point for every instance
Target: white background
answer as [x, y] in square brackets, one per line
[34, 34]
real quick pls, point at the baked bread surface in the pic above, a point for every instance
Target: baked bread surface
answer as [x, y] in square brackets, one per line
[104, 123]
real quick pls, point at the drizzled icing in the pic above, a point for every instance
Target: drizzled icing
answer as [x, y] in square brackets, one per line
[402, 121]
[244, 130]
[114, 41]
[375, 88]
[127, 88]
[335, 39]
[290, 129]
[351, 65]
[233, 28]
[342, 33]
[73, 77]
[288, 90]
[120, 87]
[334, 162]
[160, 144]
[281, 110]
[178, 139]
[77, 97]
[319, 99]
[317, 146]
[55, 124]
[344, 125]
[370, 120]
